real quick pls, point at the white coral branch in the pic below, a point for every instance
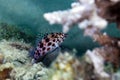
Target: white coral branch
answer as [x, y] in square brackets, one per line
[98, 61]
[83, 13]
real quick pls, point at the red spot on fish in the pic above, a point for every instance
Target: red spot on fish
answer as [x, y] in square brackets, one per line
[58, 40]
[53, 44]
[43, 48]
[53, 40]
[43, 53]
[41, 45]
[52, 35]
[49, 43]
[47, 39]
[36, 53]
[48, 49]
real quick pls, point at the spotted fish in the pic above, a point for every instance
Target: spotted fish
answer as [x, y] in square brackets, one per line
[46, 47]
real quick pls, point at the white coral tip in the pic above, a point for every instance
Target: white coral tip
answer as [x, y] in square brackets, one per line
[49, 18]
[65, 29]
[84, 24]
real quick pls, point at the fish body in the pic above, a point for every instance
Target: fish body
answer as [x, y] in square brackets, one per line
[47, 46]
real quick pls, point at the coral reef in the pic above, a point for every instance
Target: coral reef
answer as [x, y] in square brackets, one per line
[17, 65]
[64, 67]
[110, 48]
[68, 67]
[16, 62]
[28, 72]
[93, 16]
[12, 54]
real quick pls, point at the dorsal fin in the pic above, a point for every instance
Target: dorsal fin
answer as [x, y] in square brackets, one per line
[39, 37]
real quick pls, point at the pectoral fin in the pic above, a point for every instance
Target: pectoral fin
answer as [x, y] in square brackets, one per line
[50, 57]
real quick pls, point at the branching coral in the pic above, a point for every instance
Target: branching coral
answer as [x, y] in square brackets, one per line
[84, 13]
[93, 16]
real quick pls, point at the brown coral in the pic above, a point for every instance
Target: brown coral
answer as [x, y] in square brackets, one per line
[111, 54]
[5, 73]
[109, 10]
[110, 49]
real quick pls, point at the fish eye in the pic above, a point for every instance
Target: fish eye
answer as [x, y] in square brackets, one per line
[48, 49]
[43, 53]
